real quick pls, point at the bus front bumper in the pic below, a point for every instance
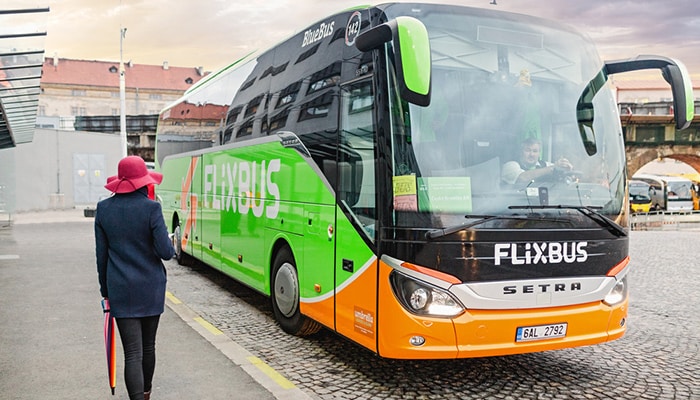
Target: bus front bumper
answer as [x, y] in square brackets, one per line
[484, 333]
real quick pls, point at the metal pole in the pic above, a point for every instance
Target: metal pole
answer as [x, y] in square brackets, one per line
[122, 94]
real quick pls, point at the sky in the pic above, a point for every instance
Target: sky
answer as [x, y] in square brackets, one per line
[214, 33]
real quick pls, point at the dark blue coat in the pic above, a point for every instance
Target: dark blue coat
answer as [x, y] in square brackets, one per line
[130, 241]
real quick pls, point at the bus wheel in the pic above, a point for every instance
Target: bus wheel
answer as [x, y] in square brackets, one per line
[285, 296]
[181, 257]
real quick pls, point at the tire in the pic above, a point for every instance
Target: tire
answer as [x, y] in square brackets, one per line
[180, 255]
[284, 294]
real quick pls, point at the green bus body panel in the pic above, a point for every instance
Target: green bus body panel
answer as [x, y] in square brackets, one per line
[349, 246]
[239, 219]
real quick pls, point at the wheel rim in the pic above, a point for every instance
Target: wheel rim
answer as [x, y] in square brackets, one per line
[286, 289]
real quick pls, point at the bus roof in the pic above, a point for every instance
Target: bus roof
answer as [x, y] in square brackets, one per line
[212, 77]
[665, 178]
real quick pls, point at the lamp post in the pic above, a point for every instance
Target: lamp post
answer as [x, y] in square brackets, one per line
[122, 94]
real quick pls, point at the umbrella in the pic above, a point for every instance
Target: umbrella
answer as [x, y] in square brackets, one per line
[110, 346]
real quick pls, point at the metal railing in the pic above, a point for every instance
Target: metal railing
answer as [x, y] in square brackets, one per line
[665, 220]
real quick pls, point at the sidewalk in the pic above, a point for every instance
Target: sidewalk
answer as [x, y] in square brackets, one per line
[44, 217]
[51, 343]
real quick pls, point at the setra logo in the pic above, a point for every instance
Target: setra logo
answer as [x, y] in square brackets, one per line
[540, 253]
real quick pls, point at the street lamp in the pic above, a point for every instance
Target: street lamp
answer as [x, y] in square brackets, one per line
[122, 94]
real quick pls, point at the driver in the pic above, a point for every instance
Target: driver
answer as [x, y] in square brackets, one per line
[530, 167]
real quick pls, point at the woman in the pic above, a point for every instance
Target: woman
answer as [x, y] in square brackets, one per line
[130, 242]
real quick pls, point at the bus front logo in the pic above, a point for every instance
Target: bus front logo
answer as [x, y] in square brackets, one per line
[540, 253]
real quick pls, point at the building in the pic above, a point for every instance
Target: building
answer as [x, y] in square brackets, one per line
[85, 95]
[646, 113]
[75, 144]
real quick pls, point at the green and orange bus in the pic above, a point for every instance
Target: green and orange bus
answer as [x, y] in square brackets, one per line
[353, 174]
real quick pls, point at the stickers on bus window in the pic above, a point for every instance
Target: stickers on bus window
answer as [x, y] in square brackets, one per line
[405, 194]
[445, 194]
[432, 194]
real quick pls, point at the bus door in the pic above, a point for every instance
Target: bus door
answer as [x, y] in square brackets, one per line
[210, 210]
[191, 187]
[657, 192]
[356, 263]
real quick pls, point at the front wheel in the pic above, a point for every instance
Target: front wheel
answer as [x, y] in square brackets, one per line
[285, 296]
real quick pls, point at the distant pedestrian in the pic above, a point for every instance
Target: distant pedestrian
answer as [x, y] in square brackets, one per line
[131, 240]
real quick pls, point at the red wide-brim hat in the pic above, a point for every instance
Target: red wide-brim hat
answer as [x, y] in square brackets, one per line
[132, 175]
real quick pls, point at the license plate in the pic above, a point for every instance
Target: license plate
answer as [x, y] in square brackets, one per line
[540, 332]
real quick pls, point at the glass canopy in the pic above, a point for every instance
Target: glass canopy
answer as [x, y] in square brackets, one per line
[22, 36]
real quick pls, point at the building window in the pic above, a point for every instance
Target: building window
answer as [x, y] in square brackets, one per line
[650, 134]
[115, 94]
[155, 96]
[690, 135]
[82, 111]
[41, 110]
[74, 111]
[115, 111]
[77, 92]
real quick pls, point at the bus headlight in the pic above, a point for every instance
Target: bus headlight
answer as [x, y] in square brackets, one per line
[617, 294]
[422, 298]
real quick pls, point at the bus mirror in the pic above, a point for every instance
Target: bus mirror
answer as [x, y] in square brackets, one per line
[373, 38]
[674, 72]
[413, 65]
[411, 55]
[585, 113]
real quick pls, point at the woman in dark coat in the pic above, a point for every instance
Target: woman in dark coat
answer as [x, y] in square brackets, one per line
[131, 240]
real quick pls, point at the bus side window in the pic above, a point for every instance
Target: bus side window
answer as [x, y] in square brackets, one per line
[356, 176]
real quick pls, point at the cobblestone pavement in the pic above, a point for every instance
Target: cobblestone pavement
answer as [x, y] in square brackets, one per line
[658, 358]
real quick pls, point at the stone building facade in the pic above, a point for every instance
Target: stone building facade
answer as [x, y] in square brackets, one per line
[85, 94]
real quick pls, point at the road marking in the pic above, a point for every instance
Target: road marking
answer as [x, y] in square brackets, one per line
[172, 298]
[211, 328]
[9, 257]
[269, 371]
[276, 383]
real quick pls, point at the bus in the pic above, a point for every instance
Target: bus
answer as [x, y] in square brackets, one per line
[668, 193]
[352, 173]
[640, 202]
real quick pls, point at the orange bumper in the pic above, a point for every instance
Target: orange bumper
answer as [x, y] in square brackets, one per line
[483, 333]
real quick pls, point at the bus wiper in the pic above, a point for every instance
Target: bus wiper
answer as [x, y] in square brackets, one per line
[588, 211]
[438, 233]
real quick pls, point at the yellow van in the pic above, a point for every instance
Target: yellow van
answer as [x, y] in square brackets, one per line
[640, 201]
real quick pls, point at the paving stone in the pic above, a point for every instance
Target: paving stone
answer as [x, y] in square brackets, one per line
[658, 358]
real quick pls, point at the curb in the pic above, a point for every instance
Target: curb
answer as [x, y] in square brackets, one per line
[262, 373]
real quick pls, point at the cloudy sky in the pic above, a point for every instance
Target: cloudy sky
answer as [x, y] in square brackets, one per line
[212, 33]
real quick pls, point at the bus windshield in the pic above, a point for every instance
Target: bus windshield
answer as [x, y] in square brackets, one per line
[679, 191]
[501, 133]
[639, 192]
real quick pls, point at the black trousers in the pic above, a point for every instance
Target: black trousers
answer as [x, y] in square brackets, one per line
[138, 337]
